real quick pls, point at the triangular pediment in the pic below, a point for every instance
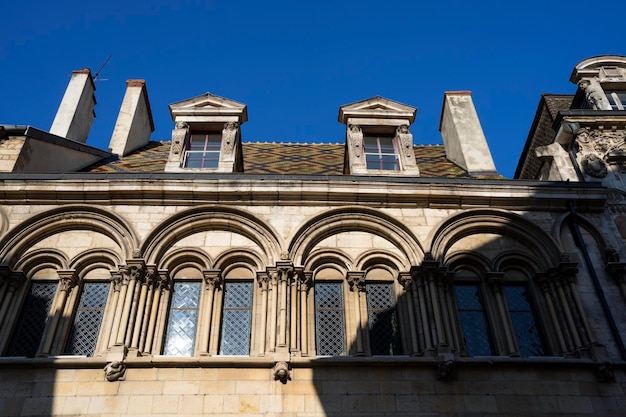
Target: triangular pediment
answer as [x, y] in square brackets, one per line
[208, 105]
[377, 107]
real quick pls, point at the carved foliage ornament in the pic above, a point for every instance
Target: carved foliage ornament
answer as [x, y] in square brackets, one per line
[406, 139]
[228, 138]
[355, 134]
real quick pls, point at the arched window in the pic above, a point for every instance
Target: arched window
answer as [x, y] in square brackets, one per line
[236, 318]
[382, 317]
[182, 321]
[330, 327]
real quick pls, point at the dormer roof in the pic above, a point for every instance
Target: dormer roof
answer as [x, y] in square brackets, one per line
[376, 107]
[207, 108]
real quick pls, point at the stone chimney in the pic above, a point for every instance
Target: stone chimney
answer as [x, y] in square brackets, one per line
[76, 111]
[463, 136]
[134, 122]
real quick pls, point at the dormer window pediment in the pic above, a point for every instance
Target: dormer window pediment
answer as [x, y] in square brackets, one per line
[207, 136]
[378, 140]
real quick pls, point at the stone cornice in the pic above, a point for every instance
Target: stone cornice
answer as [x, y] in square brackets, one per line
[298, 190]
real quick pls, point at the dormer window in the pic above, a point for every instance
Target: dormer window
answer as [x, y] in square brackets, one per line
[203, 150]
[381, 153]
[207, 136]
[617, 99]
[378, 140]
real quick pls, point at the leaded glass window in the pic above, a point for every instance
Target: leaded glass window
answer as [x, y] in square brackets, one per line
[32, 322]
[523, 321]
[384, 331]
[89, 314]
[183, 319]
[236, 319]
[329, 319]
[473, 320]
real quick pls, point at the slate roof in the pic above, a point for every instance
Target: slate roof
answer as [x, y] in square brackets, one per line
[282, 158]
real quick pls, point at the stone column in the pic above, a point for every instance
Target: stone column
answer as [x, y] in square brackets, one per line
[306, 282]
[11, 281]
[494, 280]
[543, 281]
[431, 281]
[158, 311]
[67, 280]
[356, 281]
[406, 280]
[143, 309]
[263, 280]
[212, 281]
[285, 277]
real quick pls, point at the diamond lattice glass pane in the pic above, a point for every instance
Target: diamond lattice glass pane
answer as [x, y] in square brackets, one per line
[329, 319]
[383, 321]
[236, 319]
[86, 327]
[32, 321]
[523, 320]
[180, 337]
[473, 320]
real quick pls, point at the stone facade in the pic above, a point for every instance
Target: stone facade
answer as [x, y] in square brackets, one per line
[140, 294]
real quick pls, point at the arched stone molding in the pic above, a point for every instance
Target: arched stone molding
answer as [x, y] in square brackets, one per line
[67, 218]
[239, 256]
[500, 222]
[354, 219]
[4, 222]
[91, 259]
[179, 258]
[320, 258]
[512, 259]
[561, 225]
[378, 257]
[475, 262]
[41, 258]
[209, 218]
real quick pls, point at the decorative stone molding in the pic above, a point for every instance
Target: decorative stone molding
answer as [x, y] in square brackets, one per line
[115, 371]
[282, 372]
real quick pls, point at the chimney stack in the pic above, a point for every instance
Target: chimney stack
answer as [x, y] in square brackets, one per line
[463, 136]
[134, 122]
[76, 111]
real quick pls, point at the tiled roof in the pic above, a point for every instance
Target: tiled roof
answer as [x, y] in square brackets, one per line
[283, 158]
[557, 102]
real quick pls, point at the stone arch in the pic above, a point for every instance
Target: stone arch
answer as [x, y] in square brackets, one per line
[209, 218]
[321, 258]
[354, 219]
[228, 259]
[498, 222]
[562, 222]
[41, 258]
[472, 261]
[183, 257]
[67, 218]
[381, 257]
[516, 260]
[92, 259]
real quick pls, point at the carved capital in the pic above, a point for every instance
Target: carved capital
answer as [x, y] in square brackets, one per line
[164, 282]
[263, 278]
[356, 281]
[405, 279]
[494, 279]
[134, 270]
[67, 279]
[213, 279]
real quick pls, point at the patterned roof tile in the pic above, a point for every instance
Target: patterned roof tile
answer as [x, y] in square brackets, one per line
[283, 158]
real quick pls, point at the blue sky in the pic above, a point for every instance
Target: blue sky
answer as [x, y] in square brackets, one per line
[295, 63]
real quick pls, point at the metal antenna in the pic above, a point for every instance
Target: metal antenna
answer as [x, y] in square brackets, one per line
[95, 78]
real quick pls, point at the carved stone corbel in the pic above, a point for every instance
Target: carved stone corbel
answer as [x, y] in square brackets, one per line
[282, 372]
[115, 371]
[229, 136]
[446, 367]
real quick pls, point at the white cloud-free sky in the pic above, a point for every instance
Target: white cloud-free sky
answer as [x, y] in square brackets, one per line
[294, 63]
